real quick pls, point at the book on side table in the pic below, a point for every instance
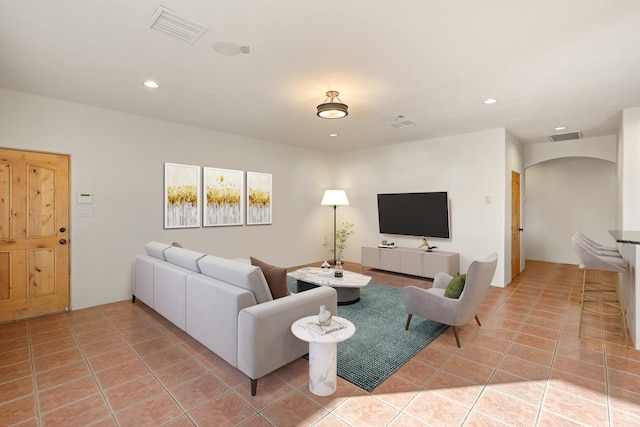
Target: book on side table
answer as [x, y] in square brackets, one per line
[319, 329]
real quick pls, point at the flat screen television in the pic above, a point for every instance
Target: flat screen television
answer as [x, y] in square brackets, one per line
[414, 214]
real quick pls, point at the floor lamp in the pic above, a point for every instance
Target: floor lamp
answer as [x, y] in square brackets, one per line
[334, 198]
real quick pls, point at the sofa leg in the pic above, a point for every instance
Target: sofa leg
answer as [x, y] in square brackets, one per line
[478, 320]
[254, 387]
[406, 327]
[133, 299]
[455, 332]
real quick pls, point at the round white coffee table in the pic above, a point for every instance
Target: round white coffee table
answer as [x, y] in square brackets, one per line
[322, 353]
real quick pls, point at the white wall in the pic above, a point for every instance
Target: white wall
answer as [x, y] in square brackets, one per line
[120, 159]
[514, 163]
[628, 218]
[629, 173]
[563, 196]
[600, 147]
[469, 167]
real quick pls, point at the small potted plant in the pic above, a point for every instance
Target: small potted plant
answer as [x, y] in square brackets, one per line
[342, 235]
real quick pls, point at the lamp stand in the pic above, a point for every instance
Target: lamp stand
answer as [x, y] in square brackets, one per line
[335, 208]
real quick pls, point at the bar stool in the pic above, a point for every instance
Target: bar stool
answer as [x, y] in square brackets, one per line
[595, 296]
[597, 247]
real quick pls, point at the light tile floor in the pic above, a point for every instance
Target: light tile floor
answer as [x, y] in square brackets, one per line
[122, 364]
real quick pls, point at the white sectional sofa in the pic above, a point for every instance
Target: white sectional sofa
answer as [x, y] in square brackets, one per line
[226, 305]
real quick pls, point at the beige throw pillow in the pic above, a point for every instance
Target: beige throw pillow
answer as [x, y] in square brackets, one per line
[276, 278]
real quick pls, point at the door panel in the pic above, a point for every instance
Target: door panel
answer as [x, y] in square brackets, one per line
[515, 224]
[41, 202]
[34, 231]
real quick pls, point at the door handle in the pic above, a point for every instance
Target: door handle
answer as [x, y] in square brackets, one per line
[62, 241]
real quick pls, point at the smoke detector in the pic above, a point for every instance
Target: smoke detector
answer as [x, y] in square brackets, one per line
[177, 26]
[568, 136]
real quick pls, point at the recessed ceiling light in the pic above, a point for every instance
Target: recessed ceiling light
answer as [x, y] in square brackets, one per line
[226, 48]
[490, 101]
[333, 135]
[151, 84]
[560, 128]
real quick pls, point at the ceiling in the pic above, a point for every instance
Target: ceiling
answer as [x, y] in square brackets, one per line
[573, 63]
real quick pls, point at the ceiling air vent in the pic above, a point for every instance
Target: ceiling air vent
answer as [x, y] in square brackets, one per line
[402, 125]
[565, 136]
[169, 22]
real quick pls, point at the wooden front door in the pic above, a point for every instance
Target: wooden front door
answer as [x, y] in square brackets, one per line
[34, 234]
[515, 224]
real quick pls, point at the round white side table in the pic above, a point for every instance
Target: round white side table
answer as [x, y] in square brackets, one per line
[322, 353]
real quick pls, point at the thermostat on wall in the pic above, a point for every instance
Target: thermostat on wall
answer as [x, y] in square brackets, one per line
[84, 198]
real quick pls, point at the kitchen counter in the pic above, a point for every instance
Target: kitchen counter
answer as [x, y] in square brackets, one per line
[629, 241]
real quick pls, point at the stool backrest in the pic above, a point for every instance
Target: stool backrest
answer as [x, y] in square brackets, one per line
[592, 261]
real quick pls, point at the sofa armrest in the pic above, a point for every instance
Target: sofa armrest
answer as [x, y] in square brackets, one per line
[212, 314]
[265, 340]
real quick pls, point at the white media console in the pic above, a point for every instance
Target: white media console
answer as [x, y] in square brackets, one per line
[417, 262]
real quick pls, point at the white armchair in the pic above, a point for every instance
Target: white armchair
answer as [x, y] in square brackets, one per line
[432, 304]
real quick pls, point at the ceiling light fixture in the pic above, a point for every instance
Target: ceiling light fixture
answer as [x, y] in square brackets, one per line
[332, 109]
[151, 84]
[333, 135]
[490, 101]
[230, 48]
[560, 128]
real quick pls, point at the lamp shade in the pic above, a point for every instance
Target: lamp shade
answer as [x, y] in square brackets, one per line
[330, 109]
[335, 198]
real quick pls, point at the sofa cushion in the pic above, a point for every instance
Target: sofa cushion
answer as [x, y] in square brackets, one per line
[245, 276]
[455, 287]
[183, 257]
[276, 278]
[156, 249]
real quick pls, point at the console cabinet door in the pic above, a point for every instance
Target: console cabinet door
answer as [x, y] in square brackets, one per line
[371, 257]
[411, 263]
[434, 264]
[390, 260]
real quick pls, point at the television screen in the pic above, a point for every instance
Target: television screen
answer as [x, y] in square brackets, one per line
[414, 214]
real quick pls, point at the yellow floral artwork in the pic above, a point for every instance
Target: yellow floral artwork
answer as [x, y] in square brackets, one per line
[181, 196]
[224, 190]
[259, 198]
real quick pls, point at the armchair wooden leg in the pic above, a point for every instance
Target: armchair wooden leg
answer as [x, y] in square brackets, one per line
[254, 387]
[406, 327]
[455, 333]
[478, 320]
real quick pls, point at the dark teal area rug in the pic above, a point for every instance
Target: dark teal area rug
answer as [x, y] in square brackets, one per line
[380, 345]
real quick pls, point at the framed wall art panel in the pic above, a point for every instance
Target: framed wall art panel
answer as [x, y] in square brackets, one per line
[223, 197]
[259, 198]
[181, 196]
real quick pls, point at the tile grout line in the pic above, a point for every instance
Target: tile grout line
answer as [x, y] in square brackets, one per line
[139, 358]
[503, 356]
[33, 374]
[555, 349]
